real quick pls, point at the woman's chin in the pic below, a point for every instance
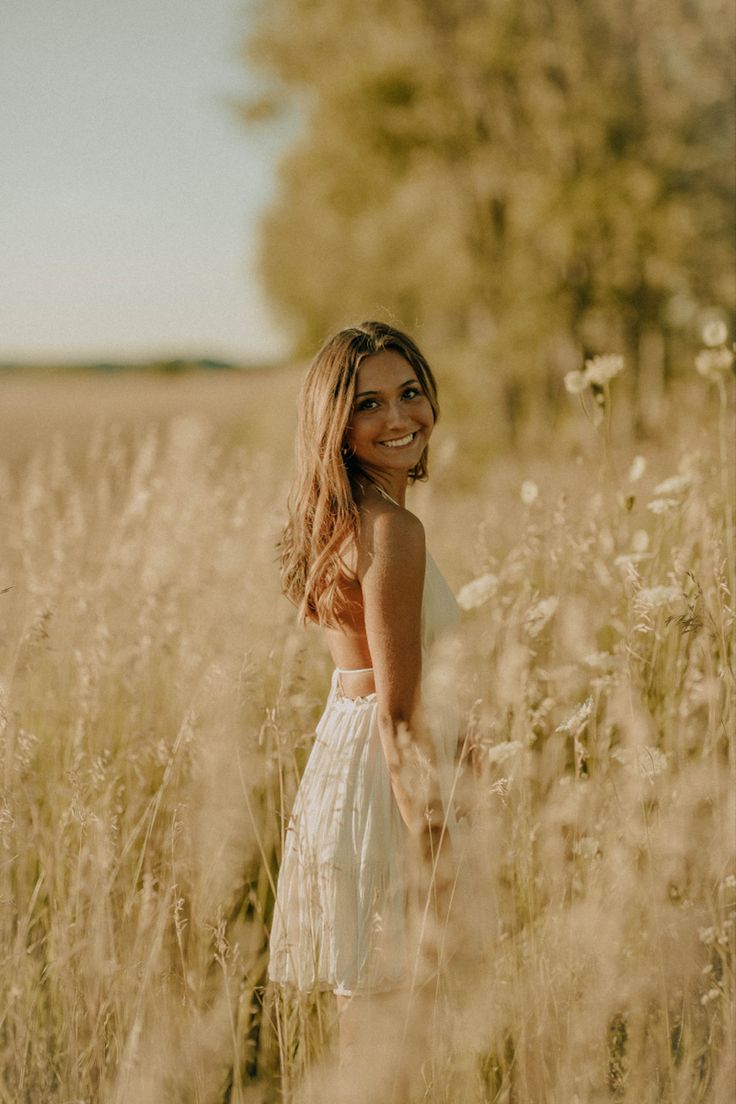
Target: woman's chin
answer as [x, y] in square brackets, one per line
[399, 459]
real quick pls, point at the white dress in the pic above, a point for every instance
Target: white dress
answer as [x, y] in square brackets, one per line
[340, 917]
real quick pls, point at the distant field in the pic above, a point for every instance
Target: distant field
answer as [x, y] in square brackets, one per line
[246, 406]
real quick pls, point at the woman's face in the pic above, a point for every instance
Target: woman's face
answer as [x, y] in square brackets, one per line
[392, 418]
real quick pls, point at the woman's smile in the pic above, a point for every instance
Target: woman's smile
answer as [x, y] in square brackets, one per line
[400, 442]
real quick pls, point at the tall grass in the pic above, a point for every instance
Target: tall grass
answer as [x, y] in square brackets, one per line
[158, 706]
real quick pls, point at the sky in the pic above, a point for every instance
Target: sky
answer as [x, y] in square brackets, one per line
[130, 193]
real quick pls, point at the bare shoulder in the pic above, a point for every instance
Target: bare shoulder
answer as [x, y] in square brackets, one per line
[391, 539]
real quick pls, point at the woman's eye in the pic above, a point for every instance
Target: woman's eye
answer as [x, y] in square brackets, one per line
[412, 392]
[365, 404]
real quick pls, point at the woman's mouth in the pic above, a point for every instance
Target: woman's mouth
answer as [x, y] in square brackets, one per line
[399, 442]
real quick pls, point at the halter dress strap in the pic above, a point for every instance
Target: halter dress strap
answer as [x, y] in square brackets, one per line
[353, 670]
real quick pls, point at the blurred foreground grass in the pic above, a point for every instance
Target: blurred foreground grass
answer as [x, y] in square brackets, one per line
[157, 704]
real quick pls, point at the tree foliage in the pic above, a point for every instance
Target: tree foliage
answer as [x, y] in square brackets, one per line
[526, 179]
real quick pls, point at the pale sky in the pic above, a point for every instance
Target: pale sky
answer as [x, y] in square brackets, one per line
[129, 193]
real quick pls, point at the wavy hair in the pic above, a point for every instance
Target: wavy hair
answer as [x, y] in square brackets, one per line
[323, 515]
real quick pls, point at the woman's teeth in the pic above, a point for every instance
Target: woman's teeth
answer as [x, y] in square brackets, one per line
[400, 441]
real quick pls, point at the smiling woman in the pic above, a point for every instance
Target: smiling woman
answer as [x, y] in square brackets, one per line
[354, 561]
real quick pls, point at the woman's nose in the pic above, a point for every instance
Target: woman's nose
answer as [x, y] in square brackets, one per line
[396, 415]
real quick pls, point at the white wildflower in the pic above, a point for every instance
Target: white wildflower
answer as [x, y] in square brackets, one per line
[501, 787]
[601, 369]
[645, 761]
[711, 995]
[662, 505]
[649, 598]
[478, 591]
[640, 541]
[729, 882]
[539, 615]
[577, 721]
[637, 469]
[575, 382]
[715, 332]
[600, 661]
[499, 753]
[712, 363]
[529, 492]
[587, 847]
[676, 484]
[707, 936]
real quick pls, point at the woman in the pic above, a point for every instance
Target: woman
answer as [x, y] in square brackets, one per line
[376, 790]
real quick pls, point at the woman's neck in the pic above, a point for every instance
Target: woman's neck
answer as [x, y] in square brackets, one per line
[396, 495]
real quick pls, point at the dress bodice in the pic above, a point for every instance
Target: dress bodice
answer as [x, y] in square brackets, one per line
[440, 611]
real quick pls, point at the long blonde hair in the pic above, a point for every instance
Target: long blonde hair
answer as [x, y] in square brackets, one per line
[323, 515]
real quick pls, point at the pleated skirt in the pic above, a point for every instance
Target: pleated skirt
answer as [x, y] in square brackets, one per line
[341, 916]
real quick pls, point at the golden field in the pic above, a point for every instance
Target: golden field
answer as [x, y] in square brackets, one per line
[157, 704]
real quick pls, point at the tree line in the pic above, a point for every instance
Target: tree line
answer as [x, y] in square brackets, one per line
[527, 182]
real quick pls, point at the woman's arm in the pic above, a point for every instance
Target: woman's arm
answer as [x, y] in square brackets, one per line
[392, 584]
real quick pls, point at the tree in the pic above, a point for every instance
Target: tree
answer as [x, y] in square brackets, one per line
[529, 181]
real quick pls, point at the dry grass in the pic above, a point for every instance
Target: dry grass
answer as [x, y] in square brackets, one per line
[158, 706]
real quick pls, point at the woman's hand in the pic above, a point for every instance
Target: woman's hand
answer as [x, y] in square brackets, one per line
[435, 872]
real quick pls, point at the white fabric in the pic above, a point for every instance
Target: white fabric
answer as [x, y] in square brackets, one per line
[340, 914]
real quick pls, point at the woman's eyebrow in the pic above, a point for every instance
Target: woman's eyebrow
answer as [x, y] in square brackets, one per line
[399, 388]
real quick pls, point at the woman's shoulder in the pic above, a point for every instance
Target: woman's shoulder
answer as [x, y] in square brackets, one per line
[388, 533]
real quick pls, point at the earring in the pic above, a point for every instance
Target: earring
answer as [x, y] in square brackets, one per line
[347, 452]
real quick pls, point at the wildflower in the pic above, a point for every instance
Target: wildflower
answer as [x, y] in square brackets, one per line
[538, 616]
[711, 995]
[601, 369]
[640, 541]
[729, 882]
[649, 598]
[601, 661]
[637, 469]
[478, 591]
[587, 847]
[577, 721]
[676, 484]
[529, 492]
[712, 363]
[575, 382]
[499, 753]
[645, 761]
[715, 333]
[662, 505]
